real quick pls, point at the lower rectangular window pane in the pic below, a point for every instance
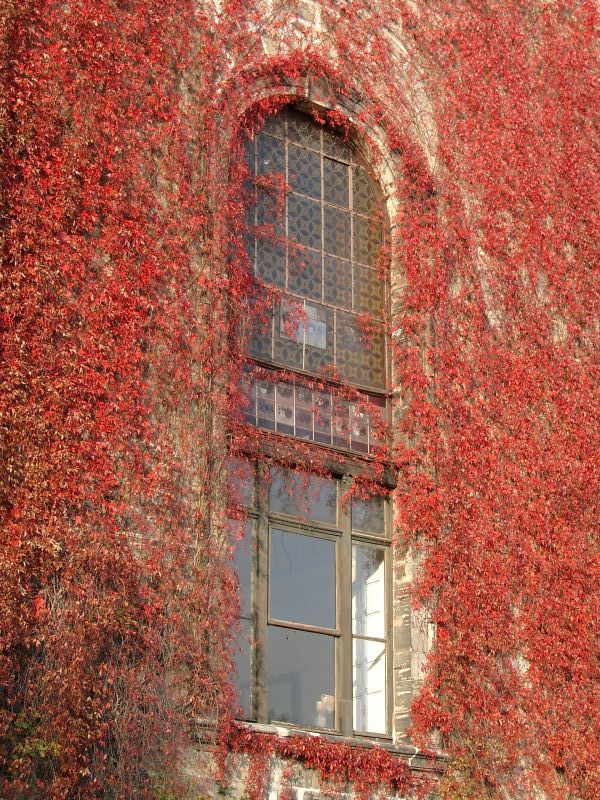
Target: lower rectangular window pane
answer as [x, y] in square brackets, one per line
[241, 659]
[300, 677]
[368, 591]
[368, 681]
[240, 534]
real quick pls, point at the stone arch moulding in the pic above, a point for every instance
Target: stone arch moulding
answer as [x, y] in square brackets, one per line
[412, 638]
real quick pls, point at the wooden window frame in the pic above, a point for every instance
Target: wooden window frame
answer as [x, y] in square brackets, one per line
[341, 533]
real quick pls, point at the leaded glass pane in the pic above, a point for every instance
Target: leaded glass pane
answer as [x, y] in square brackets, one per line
[336, 185]
[304, 171]
[288, 345]
[305, 273]
[359, 354]
[337, 232]
[324, 265]
[269, 214]
[336, 147]
[337, 284]
[368, 291]
[275, 125]
[270, 262]
[291, 320]
[261, 338]
[304, 131]
[304, 221]
[364, 195]
[270, 155]
[367, 240]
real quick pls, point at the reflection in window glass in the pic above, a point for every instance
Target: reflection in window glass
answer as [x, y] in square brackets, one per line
[368, 679]
[241, 660]
[368, 591]
[302, 579]
[300, 677]
[301, 495]
[241, 538]
[368, 515]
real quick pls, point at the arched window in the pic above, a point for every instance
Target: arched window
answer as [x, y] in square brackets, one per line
[315, 571]
[323, 252]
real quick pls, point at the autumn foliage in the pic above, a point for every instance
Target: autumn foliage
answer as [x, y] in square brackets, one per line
[123, 285]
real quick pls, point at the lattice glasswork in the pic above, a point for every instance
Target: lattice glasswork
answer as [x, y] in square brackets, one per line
[317, 415]
[321, 246]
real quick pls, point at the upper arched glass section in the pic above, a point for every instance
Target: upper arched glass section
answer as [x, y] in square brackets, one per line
[319, 242]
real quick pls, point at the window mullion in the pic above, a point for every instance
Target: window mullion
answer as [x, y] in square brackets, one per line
[344, 605]
[260, 610]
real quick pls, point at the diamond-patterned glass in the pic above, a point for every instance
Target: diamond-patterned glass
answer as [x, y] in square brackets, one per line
[269, 213]
[335, 147]
[337, 288]
[261, 340]
[320, 244]
[368, 291]
[270, 155]
[302, 130]
[364, 195]
[304, 171]
[337, 232]
[336, 186]
[360, 356]
[270, 262]
[304, 221]
[275, 125]
[288, 344]
[367, 240]
[305, 273]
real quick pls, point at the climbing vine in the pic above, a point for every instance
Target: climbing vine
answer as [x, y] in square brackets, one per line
[124, 288]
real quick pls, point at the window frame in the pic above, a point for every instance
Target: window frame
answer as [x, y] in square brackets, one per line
[262, 522]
